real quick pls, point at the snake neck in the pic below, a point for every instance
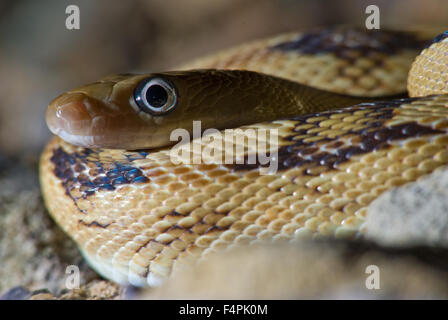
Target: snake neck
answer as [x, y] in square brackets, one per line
[278, 98]
[237, 97]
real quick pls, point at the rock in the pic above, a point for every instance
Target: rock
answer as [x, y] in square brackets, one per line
[94, 290]
[16, 293]
[308, 269]
[414, 214]
[34, 251]
[43, 296]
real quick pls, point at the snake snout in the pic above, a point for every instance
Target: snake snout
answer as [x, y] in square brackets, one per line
[70, 116]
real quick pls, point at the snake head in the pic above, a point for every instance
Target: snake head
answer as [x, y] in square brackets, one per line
[140, 111]
[105, 114]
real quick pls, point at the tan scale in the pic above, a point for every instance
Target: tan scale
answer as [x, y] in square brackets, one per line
[426, 75]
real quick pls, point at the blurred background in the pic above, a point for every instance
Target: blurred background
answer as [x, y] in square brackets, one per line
[40, 58]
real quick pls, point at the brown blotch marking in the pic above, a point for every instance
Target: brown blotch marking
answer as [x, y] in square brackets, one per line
[174, 213]
[152, 241]
[94, 224]
[69, 168]
[374, 137]
[350, 43]
[335, 145]
[216, 229]
[177, 227]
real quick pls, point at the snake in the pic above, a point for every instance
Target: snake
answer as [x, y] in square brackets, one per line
[354, 113]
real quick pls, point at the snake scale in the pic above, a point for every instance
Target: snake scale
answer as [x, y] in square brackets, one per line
[108, 179]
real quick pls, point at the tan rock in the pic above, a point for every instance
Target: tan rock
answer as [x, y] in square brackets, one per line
[305, 270]
[34, 251]
[415, 214]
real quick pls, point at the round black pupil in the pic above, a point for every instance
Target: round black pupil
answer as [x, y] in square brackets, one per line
[156, 96]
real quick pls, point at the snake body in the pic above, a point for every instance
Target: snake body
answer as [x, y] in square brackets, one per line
[136, 215]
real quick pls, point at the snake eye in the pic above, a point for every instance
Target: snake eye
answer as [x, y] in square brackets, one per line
[155, 96]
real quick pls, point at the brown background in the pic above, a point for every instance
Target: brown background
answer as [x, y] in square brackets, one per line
[40, 58]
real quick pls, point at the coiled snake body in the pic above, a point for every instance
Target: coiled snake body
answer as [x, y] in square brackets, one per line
[110, 182]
